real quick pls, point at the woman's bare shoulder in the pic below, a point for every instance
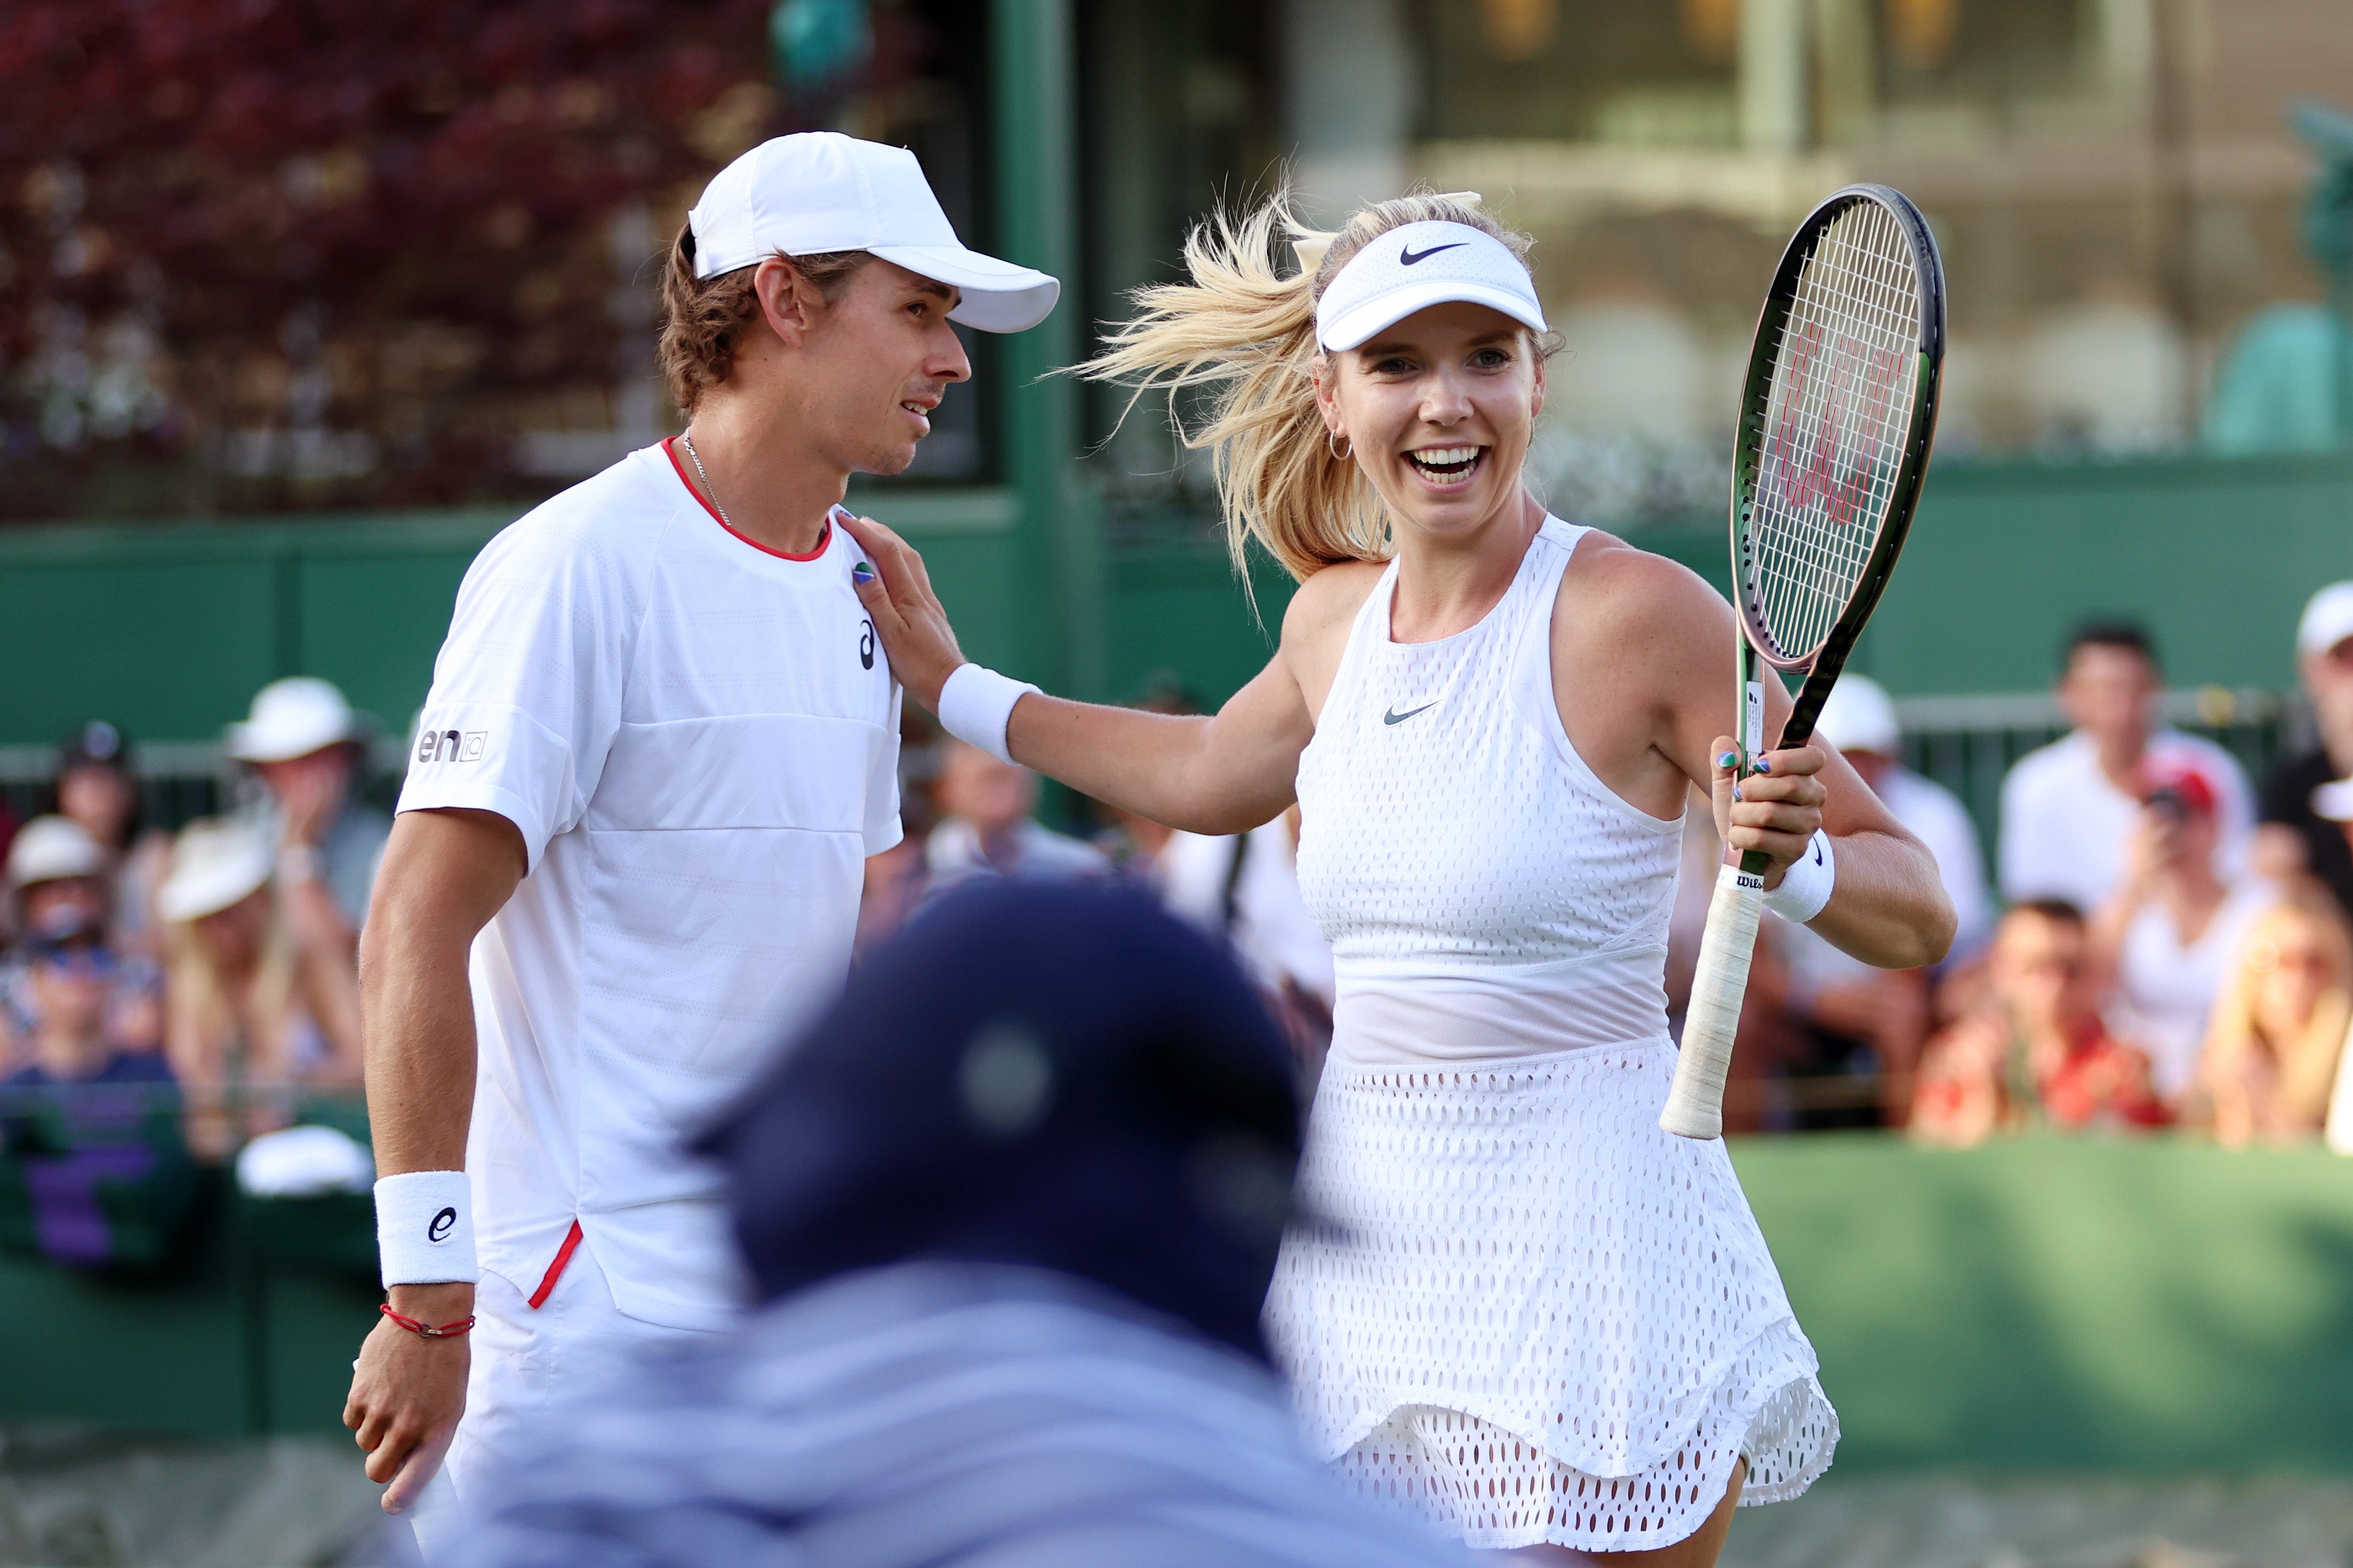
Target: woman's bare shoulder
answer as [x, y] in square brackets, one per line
[1617, 591]
[1322, 607]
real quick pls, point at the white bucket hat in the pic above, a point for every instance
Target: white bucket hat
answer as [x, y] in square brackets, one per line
[820, 191]
[1861, 717]
[52, 848]
[2327, 619]
[1416, 266]
[215, 864]
[292, 718]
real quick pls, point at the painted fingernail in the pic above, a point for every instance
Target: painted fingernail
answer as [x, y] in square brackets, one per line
[861, 573]
[1725, 759]
[1764, 764]
[1736, 791]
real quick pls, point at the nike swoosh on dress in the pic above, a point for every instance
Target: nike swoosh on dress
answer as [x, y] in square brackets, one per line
[1394, 717]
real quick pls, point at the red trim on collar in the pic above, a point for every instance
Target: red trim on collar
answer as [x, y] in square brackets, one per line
[824, 538]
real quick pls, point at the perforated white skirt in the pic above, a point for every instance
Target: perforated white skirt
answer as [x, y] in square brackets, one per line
[1526, 1312]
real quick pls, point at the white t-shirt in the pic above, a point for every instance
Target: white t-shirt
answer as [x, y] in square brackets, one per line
[1271, 931]
[2064, 824]
[2165, 989]
[1937, 818]
[698, 738]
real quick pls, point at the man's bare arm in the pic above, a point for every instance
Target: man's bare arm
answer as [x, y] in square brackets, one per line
[444, 874]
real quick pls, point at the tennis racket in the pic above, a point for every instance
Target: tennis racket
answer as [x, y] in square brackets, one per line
[1836, 418]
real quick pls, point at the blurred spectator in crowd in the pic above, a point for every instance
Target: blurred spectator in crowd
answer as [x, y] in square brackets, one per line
[56, 870]
[303, 743]
[1244, 888]
[986, 829]
[91, 1127]
[1011, 1208]
[2068, 809]
[2166, 935]
[96, 789]
[1876, 1020]
[897, 878]
[2296, 836]
[2279, 1027]
[263, 997]
[2036, 1050]
[1133, 844]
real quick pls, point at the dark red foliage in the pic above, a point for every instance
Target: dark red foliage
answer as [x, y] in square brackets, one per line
[380, 170]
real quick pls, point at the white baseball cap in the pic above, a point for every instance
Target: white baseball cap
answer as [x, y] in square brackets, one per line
[820, 191]
[215, 865]
[1416, 266]
[291, 718]
[52, 848]
[2327, 619]
[1861, 717]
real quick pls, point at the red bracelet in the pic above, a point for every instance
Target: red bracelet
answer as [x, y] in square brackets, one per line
[426, 1331]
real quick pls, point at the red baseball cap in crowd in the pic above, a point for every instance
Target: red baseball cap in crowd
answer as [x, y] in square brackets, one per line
[2178, 781]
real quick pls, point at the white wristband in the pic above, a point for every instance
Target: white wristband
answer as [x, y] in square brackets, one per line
[1805, 890]
[975, 704]
[425, 1228]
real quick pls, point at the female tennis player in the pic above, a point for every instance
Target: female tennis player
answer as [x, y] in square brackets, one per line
[1526, 1311]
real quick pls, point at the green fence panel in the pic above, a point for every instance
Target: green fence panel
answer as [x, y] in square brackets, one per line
[2069, 1304]
[2155, 1306]
[158, 643]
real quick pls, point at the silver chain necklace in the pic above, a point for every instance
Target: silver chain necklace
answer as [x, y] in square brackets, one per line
[686, 439]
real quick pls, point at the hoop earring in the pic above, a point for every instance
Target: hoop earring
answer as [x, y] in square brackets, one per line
[1332, 440]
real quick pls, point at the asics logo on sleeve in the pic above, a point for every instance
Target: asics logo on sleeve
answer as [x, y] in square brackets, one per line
[1408, 257]
[1394, 717]
[866, 644]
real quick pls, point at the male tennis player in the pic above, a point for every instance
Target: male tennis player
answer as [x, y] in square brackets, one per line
[661, 743]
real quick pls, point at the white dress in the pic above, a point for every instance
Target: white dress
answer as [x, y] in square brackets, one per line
[1515, 1304]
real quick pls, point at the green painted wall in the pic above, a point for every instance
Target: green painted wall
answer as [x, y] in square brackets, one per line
[2084, 1304]
[170, 627]
[2217, 555]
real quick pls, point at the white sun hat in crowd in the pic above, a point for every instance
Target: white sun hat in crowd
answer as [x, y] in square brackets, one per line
[820, 191]
[215, 864]
[304, 1162]
[1861, 717]
[292, 718]
[52, 848]
[2327, 619]
[1416, 266]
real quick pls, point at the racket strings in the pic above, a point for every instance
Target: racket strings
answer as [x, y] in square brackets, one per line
[1832, 434]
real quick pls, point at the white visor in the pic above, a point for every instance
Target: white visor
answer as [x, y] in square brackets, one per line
[1414, 267]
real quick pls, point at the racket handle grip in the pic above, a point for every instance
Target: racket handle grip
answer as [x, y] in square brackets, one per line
[1695, 1103]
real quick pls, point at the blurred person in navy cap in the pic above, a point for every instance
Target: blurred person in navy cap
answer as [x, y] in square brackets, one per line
[90, 1123]
[1010, 1209]
[2297, 837]
[97, 788]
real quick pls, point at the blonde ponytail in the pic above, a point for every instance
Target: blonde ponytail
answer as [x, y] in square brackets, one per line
[1245, 329]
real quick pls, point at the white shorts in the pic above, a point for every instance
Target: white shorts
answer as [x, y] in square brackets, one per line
[526, 1359]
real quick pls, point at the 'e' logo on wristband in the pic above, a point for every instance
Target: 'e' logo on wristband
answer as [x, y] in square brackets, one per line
[443, 1223]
